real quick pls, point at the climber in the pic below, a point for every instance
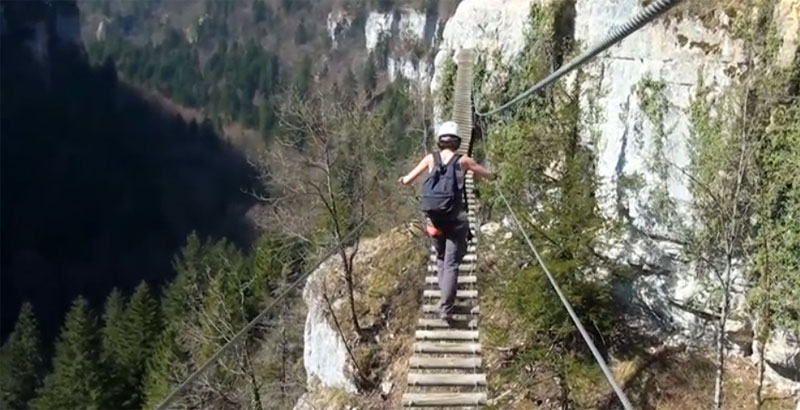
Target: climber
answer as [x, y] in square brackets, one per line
[443, 201]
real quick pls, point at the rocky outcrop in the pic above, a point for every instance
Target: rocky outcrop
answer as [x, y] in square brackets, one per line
[387, 282]
[324, 352]
[492, 28]
[338, 22]
[410, 33]
[787, 15]
[782, 359]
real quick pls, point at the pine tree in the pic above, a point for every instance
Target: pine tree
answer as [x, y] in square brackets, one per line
[266, 119]
[113, 336]
[301, 35]
[169, 359]
[167, 364]
[141, 327]
[21, 364]
[77, 377]
[369, 76]
[184, 289]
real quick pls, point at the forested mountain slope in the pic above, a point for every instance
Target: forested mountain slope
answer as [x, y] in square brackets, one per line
[100, 187]
[234, 60]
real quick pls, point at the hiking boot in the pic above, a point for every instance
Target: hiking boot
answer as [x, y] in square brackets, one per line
[446, 317]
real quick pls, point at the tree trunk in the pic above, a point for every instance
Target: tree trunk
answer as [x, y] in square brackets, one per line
[348, 279]
[761, 369]
[723, 319]
[284, 355]
[764, 327]
[255, 385]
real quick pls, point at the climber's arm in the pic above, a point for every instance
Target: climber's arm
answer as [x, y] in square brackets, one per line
[474, 166]
[411, 176]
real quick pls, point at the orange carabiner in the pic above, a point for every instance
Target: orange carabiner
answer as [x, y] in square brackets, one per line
[432, 231]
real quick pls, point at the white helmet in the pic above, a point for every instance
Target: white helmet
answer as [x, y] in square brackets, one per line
[447, 131]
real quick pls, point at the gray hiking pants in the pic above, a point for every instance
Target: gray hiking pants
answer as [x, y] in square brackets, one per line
[450, 250]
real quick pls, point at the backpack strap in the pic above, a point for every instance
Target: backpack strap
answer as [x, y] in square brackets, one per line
[463, 186]
[437, 161]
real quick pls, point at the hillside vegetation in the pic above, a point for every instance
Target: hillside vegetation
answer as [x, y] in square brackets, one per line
[540, 149]
[155, 240]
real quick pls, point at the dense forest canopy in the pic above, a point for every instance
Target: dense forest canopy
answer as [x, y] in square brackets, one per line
[100, 186]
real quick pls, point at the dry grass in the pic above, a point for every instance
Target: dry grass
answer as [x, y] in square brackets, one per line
[672, 380]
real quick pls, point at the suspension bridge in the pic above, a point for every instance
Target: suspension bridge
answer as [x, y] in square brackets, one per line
[446, 368]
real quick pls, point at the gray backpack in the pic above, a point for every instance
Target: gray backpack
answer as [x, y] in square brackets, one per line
[441, 193]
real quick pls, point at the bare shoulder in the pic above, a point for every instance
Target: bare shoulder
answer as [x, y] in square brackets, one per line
[466, 160]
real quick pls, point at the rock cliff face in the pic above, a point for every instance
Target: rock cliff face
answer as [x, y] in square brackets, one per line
[493, 27]
[678, 55]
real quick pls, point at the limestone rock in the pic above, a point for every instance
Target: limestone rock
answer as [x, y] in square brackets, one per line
[489, 27]
[782, 358]
[409, 30]
[787, 13]
[338, 22]
[490, 228]
[324, 354]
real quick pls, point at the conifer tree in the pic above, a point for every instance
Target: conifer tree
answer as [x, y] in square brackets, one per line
[77, 378]
[113, 336]
[141, 327]
[21, 364]
[166, 365]
[170, 357]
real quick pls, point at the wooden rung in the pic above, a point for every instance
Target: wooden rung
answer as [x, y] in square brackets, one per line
[457, 309]
[443, 399]
[446, 379]
[445, 362]
[464, 267]
[470, 257]
[446, 334]
[460, 293]
[455, 348]
[470, 249]
[461, 279]
[454, 324]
